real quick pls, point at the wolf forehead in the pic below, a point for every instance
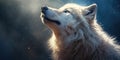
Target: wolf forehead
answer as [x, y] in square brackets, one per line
[72, 6]
[75, 9]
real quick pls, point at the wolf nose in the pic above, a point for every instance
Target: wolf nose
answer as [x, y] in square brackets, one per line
[44, 9]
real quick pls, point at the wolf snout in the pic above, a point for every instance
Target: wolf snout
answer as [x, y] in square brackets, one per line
[44, 9]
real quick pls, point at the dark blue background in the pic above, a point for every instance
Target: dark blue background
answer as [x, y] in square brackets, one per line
[24, 37]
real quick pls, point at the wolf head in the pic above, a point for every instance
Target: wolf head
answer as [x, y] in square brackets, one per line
[69, 20]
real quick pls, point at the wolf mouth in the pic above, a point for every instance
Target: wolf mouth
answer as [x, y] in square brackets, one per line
[55, 21]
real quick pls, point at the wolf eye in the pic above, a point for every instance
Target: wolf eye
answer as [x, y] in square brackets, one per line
[66, 11]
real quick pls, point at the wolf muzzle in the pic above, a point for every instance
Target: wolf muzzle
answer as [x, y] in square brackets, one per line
[43, 10]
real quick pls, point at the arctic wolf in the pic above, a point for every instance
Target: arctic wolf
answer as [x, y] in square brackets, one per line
[77, 35]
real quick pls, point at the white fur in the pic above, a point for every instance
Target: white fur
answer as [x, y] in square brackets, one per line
[79, 36]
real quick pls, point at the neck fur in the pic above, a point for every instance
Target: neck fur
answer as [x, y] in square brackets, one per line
[81, 49]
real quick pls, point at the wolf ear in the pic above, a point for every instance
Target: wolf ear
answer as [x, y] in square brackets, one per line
[90, 12]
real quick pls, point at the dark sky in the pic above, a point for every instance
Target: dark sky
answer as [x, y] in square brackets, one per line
[24, 37]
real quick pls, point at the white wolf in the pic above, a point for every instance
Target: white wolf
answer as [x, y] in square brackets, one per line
[77, 35]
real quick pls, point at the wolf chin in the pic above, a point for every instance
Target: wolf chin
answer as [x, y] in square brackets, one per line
[76, 35]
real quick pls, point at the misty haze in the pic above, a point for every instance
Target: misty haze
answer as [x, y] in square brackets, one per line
[24, 37]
